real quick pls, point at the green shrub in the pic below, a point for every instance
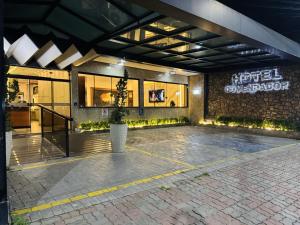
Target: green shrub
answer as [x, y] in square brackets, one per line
[284, 125]
[104, 125]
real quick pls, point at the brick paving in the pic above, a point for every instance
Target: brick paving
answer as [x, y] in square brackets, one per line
[248, 188]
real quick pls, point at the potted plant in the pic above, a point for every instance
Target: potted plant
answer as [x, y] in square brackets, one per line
[12, 90]
[118, 127]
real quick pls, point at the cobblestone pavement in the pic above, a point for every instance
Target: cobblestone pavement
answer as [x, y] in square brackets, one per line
[261, 187]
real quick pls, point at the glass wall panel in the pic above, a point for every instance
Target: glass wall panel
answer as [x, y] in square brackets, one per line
[61, 98]
[149, 87]
[161, 97]
[133, 93]
[114, 82]
[182, 95]
[26, 114]
[22, 98]
[172, 93]
[161, 94]
[97, 91]
[102, 93]
[86, 86]
[44, 95]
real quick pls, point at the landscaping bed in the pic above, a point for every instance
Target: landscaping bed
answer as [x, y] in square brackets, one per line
[103, 126]
[274, 128]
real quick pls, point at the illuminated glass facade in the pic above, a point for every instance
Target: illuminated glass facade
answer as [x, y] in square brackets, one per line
[98, 91]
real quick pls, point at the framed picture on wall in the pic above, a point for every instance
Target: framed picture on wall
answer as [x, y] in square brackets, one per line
[157, 95]
[103, 97]
[35, 90]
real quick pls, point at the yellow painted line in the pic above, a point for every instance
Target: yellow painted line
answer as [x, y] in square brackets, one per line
[114, 188]
[118, 187]
[95, 193]
[181, 163]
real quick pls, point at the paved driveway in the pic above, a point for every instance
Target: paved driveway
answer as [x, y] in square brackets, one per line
[133, 187]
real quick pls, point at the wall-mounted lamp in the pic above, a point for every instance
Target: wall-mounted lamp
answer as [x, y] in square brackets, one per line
[172, 72]
[121, 63]
[197, 91]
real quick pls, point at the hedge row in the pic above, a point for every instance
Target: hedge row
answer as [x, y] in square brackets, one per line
[284, 125]
[104, 125]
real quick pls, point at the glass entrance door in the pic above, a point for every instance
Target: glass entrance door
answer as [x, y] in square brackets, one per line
[41, 93]
[25, 112]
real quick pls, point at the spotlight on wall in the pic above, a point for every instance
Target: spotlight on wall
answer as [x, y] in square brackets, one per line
[172, 72]
[121, 63]
[197, 91]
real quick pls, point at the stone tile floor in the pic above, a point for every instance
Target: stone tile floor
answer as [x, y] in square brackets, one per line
[251, 180]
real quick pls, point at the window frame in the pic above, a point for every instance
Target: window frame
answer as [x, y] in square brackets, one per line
[167, 107]
[107, 107]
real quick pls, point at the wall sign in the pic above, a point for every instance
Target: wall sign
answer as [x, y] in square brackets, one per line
[104, 112]
[261, 80]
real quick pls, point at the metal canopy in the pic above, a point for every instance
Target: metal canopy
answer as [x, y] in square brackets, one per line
[280, 15]
[123, 29]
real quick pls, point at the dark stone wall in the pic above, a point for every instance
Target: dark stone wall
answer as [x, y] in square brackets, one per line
[263, 105]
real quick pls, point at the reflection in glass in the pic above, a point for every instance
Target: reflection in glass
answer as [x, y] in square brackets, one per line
[161, 43]
[196, 34]
[138, 35]
[168, 24]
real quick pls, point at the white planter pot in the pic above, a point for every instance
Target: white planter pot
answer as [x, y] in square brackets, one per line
[9, 144]
[118, 135]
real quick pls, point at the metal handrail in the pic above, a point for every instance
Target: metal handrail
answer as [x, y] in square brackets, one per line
[66, 125]
[56, 113]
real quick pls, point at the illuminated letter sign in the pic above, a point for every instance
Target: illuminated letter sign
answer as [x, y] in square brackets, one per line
[252, 82]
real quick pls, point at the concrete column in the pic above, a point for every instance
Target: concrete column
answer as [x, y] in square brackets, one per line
[74, 96]
[196, 98]
[3, 177]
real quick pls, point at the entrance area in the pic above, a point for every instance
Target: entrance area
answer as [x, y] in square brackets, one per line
[25, 113]
[165, 162]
